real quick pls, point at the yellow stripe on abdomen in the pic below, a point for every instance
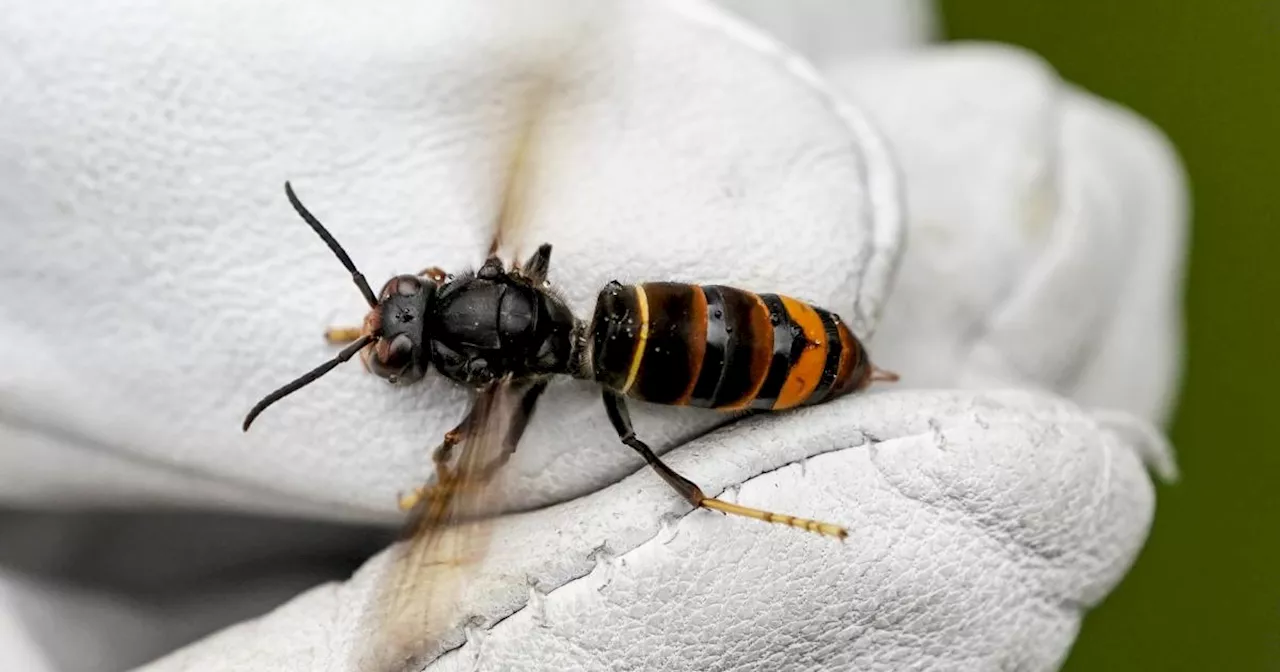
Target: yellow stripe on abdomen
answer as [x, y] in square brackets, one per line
[642, 306]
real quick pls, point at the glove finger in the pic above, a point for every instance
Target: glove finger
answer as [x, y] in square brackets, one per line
[1047, 231]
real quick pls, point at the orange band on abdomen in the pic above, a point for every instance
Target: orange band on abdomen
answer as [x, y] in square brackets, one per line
[806, 372]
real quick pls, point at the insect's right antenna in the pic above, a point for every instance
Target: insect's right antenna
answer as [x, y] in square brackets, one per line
[306, 379]
[315, 224]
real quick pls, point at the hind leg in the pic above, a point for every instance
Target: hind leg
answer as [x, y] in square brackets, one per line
[616, 407]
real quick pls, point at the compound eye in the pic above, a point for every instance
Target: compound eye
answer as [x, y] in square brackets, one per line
[408, 285]
[391, 359]
[401, 285]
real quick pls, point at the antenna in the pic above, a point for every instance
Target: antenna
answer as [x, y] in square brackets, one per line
[307, 378]
[341, 254]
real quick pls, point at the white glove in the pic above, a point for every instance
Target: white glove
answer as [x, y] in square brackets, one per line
[156, 284]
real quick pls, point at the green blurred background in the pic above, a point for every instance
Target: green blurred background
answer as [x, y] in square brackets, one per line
[1205, 593]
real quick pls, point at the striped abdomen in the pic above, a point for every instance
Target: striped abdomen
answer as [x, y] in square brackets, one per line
[720, 347]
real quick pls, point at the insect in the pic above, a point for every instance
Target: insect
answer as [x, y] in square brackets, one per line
[504, 332]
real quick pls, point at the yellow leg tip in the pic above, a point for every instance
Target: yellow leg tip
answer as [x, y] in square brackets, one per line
[340, 335]
[407, 502]
[817, 527]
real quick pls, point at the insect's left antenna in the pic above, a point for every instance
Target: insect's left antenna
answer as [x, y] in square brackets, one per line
[324, 234]
[306, 379]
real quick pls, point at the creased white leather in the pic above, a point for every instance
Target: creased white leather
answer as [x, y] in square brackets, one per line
[19, 649]
[983, 523]
[151, 299]
[1047, 230]
[830, 34]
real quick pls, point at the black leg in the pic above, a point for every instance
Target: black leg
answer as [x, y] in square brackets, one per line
[616, 407]
[519, 421]
[536, 268]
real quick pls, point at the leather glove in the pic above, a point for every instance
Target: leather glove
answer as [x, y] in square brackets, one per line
[1010, 231]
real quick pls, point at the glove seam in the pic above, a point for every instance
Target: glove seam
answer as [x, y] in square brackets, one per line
[610, 561]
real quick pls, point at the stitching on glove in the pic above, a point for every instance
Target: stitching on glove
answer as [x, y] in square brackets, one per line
[612, 560]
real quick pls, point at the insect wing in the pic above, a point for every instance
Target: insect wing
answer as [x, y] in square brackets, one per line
[520, 179]
[530, 158]
[418, 604]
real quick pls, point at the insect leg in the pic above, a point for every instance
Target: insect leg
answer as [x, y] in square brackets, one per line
[535, 269]
[440, 457]
[340, 335]
[434, 274]
[616, 407]
[519, 421]
[443, 454]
